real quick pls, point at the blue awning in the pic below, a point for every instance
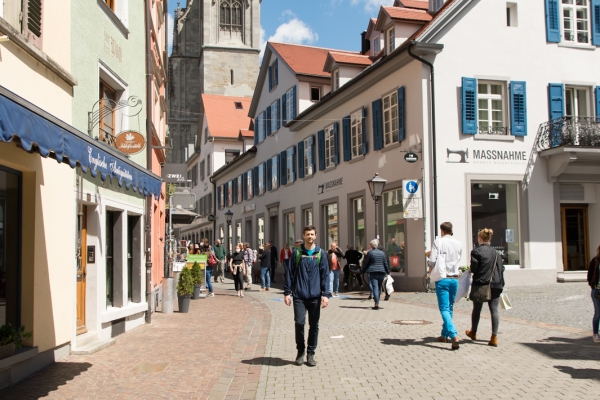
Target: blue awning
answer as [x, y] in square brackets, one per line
[39, 131]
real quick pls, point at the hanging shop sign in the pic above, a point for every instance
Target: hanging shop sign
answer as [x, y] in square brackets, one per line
[130, 142]
[174, 173]
[411, 157]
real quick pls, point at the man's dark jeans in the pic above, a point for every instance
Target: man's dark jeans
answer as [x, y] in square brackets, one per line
[313, 306]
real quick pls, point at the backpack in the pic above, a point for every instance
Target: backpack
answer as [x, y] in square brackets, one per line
[299, 256]
[212, 260]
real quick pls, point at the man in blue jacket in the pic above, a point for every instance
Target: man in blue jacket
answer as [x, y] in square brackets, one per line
[307, 278]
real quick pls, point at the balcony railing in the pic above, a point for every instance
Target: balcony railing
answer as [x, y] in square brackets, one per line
[569, 131]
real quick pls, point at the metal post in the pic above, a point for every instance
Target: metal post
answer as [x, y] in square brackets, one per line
[376, 217]
[170, 272]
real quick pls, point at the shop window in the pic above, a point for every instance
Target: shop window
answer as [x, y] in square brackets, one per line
[110, 222]
[290, 229]
[393, 217]
[308, 217]
[358, 221]
[330, 212]
[495, 205]
[10, 245]
[261, 231]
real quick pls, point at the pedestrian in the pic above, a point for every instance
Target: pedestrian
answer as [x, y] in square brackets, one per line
[249, 262]
[307, 279]
[353, 258]
[375, 263]
[334, 256]
[197, 249]
[265, 266]
[365, 252]
[487, 269]
[219, 251]
[274, 260]
[445, 289]
[209, 272]
[298, 243]
[593, 279]
[392, 250]
[285, 256]
[238, 270]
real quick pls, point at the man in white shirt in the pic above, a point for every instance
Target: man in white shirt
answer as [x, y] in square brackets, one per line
[446, 287]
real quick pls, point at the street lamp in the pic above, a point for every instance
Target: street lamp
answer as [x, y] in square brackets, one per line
[376, 185]
[228, 217]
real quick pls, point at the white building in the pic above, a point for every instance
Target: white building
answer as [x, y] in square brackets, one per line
[477, 137]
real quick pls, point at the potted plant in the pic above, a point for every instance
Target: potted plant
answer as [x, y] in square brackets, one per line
[185, 289]
[10, 339]
[197, 275]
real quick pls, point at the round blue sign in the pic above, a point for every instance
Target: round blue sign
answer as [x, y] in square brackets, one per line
[412, 187]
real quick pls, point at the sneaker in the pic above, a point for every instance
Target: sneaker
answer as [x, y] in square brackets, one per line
[370, 298]
[387, 297]
[596, 338]
[241, 294]
[310, 361]
[299, 358]
[211, 295]
[335, 294]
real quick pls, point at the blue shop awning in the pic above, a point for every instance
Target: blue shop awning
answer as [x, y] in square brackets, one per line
[39, 131]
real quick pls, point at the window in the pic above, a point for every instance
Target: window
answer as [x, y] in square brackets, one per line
[32, 21]
[260, 127]
[208, 166]
[290, 99]
[230, 155]
[261, 231]
[273, 75]
[290, 229]
[221, 197]
[107, 113]
[238, 105]
[202, 170]
[249, 186]
[308, 217]
[358, 220]
[495, 205]
[229, 193]
[577, 102]
[330, 211]
[511, 14]
[230, 16]
[376, 45]
[240, 188]
[393, 217]
[110, 4]
[274, 172]
[238, 233]
[206, 135]
[290, 153]
[109, 256]
[576, 21]
[356, 133]
[315, 93]
[195, 175]
[231, 81]
[490, 100]
[391, 40]
[275, 116]
[329, 147]
[221, 234]
[308, 162]
[261, 179]
[335, 79]
[390, 118]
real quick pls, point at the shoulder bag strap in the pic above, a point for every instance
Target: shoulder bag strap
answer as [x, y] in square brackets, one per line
[493, 269]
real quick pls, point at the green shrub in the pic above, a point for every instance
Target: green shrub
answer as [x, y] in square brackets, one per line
[185, 286]
[197, 274]
[10, 334]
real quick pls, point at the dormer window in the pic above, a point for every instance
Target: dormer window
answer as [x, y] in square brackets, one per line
[335, 79]
[390, 40]
[238, 105]
[230, 16]
[315, 93]
[376, 45]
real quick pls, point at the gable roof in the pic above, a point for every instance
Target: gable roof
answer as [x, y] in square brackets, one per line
[407, 14]
[304, 60]
[371, 27]
[355, 59]
[418, 4]
[223, 118]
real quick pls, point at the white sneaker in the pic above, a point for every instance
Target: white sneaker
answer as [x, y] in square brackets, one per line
[596, 338]
[241, 294]
[211, 295]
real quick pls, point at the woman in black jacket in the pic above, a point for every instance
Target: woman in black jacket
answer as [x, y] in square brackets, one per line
[483, 259]
[593, 279]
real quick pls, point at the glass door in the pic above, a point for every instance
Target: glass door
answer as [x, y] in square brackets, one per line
[575, 237]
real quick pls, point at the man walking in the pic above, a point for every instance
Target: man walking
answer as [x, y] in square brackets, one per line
[307, 278]
[334, 256]
[219, 251]
[445, 289]
[273, 260]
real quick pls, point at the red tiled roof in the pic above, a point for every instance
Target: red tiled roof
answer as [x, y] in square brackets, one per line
[222, 116]
[246, 133]
[418, 4]
[304, 60]
[406, 14]
[348, 58]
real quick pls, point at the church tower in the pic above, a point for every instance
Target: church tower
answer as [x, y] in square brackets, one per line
[216, 47]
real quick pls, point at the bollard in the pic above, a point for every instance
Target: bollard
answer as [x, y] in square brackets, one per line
[168, 290]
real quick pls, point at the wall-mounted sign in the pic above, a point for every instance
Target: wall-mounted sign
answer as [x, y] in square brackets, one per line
[248, 208]
[130, 142]
[411, 157]
[412, 194]
[461, 156]
[211, 217]
[329, 186]
[174, 173]
[510, 236]
[91, 254]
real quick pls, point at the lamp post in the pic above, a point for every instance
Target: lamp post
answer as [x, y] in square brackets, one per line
[228, 217]
[376, 185]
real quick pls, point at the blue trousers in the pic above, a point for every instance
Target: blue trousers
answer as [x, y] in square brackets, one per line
[209, 272]
[264, 276]
[376, 281]
[446, 292]
[596, 319]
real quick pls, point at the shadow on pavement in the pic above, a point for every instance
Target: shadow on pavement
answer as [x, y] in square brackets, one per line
[42, 384]
[583, 373]
[567, 348]
[271, 361]
[426, 341]
[360, 308]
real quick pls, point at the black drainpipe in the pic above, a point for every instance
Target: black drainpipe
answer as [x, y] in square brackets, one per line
[214, 199]
[433, 133]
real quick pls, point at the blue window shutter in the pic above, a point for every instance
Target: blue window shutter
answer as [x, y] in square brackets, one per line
[292, 110]
[336, 143]
[278, 113]
[301, 159]
[469, 106]
[377, 125]
[264, 123]
[277, 171]
[518, 108]
[283, 168]
[255, 180]
[321, 149]
[401, 114]
[597, 101]
[294, 164]
[276, 72]
[219, 197]
[245, 186]
[255, 134]
[347, 138]
[226, 194]
[552, 21]
[269, 169]
[283, 110]
[365, 143]
[268, 121]
[234, 191]
[595, 22]
[556, 100]
[313, 153]
[270, 78]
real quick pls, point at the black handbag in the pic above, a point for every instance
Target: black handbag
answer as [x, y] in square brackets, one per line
[483, 293]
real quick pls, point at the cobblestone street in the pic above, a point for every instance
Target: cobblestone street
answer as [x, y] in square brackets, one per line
[231, 348]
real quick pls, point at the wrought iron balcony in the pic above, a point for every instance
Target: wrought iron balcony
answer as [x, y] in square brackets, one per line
[569, 131]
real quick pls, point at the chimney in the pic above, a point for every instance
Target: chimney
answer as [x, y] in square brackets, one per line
[435, 5]
[365, 44]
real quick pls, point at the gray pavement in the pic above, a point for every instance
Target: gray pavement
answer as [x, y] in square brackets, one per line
[378, 359]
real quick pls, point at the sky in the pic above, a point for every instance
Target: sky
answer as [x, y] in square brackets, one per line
[335, 24]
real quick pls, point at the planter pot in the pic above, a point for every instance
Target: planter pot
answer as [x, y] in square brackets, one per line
[196, 292]
[7, 350]
[184, 303]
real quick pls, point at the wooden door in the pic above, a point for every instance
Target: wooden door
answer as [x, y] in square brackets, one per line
[575, 241]
[81, 276]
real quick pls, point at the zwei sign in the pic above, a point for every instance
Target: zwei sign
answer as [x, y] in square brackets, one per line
[130, 142]
[174, 173]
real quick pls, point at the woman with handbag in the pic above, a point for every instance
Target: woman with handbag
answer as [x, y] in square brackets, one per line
[488, 282]
[238, 270]
[593, 279]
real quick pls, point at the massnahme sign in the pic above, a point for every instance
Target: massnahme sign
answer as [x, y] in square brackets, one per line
[130, 142]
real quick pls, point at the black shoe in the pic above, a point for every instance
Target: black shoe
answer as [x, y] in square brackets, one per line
[387, 297]
[370, 298]
[300, 358]
[310, 361]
